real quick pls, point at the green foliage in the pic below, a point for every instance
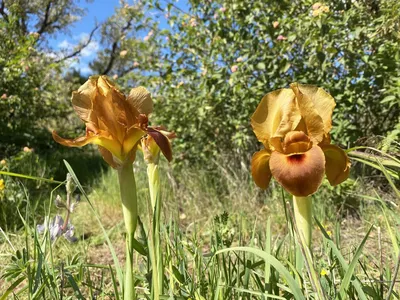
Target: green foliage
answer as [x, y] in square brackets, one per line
[221, 58]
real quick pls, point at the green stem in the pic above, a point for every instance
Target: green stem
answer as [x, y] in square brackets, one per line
[302, 207]
[156, 261]
[129, 207]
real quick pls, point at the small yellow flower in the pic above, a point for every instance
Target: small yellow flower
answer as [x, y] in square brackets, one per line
[2, 185]
[3, 162]
[293, 125]
[329, 233]
[324, 272]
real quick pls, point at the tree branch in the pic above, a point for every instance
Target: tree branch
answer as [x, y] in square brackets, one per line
[114, 49]
[2, 11]
[83, 46]
[45, 22]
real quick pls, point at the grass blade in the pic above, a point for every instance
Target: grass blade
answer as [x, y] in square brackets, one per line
[294, 287]
[349, 273]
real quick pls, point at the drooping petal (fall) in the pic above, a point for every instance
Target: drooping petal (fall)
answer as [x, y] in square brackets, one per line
[133, 136]
[276, 115]
[313, 121]
[260, 168]
[101, 138]
[300, 174]
[337, 167]
[108, 157]
[162, 142]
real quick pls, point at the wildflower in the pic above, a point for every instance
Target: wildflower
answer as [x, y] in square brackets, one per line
[234, 68]
[319, 9]
[57, 228]
[2, 185]
[222, 9]
[239, 59]
[324, 272]
[293, 125]
[316, 6]
[136, 64]
[281, 38]
[113, 122]
[3, 162]
[123, 53]
[4, 96]
[193, 22]
[27, 149]
[275, 24]
[115, 76]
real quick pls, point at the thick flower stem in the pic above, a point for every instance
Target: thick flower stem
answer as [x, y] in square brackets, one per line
[155, 202]
[302, 207]
[129, 207]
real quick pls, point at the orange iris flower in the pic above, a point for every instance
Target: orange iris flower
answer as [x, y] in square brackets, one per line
[293, 125]
[114, 122]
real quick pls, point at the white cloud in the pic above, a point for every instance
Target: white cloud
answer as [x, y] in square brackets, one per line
[82, 38]
[90, 49]
[65, 45]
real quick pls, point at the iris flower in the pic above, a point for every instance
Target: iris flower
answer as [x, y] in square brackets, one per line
[114, 122]
[293, 125]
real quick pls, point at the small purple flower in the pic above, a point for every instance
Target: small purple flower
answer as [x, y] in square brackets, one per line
[56, 229]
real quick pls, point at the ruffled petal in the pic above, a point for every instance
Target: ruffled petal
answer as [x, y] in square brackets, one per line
[161, 141]
[140, 99]
[109, 108]
[260, 168]
[337, 167]
[323, 103]
[101, 139]
[276, 115]
[310, 115]
[299, 174]
[296, 142]
[82, 100]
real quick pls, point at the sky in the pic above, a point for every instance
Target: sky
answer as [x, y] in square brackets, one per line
[97, 10]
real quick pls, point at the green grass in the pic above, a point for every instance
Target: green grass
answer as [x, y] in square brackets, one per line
[222, 238]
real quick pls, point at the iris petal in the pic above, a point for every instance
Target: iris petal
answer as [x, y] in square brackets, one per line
[276, 115]
[140, 99]
[162, 142]
[133, 135]
[322, 101]
[337, 167]
[260, 168]
[300, 174]
[313, 121]
[107, 156]
[101, 139]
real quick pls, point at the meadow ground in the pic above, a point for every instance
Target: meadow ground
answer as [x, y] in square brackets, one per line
[206, 211]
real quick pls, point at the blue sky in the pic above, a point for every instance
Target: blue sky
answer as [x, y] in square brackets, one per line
[98, 10]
